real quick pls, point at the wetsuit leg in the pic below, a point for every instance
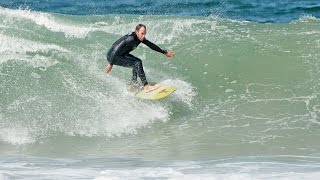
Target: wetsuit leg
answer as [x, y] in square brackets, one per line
[134, 62]
[134, 76]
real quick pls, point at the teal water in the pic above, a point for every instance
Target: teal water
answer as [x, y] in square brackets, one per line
[246, 105]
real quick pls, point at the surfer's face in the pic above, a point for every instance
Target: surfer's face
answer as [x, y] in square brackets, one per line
[141, 33]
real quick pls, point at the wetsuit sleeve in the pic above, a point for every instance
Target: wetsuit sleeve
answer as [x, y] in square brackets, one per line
[121, 48]
[153, 46]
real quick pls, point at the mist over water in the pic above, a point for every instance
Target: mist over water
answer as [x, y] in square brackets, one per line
[247, 94]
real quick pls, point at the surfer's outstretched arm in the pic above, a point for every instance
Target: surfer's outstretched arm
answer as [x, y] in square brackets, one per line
[153, 46]
[157, 48]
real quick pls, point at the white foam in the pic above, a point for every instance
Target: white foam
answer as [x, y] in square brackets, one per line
[5, 176]
[185, 91]
[115, 112]
[46, 20]
[307, 17]
[229, 90]
[161, 31]
[16, 135]
[40, 168]
[139, 173]
[38, 172]
[174, 28]
[14, 48]
[176, 174]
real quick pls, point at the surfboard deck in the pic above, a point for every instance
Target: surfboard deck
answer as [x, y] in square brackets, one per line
[161, 92]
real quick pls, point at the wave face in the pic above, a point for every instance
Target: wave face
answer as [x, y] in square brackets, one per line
[243, 88]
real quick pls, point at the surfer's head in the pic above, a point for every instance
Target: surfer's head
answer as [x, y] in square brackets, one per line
[141, 31]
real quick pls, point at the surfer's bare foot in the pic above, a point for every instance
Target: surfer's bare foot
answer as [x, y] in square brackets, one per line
[149, 88]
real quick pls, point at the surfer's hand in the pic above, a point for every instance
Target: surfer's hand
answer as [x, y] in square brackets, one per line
[170, 54]
[108, 69]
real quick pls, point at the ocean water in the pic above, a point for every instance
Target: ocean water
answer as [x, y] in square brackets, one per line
[247, 104]
[244, 10]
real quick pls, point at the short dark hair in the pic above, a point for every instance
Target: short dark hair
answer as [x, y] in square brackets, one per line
[138, 27]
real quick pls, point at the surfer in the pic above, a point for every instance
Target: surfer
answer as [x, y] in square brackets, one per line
[119, 54]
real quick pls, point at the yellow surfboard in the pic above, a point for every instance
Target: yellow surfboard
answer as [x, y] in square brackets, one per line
[161, 92]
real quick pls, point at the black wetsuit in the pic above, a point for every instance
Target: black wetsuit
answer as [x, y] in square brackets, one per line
[118, 54]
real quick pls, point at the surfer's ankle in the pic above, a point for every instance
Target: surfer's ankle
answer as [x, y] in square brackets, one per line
[135, 84]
